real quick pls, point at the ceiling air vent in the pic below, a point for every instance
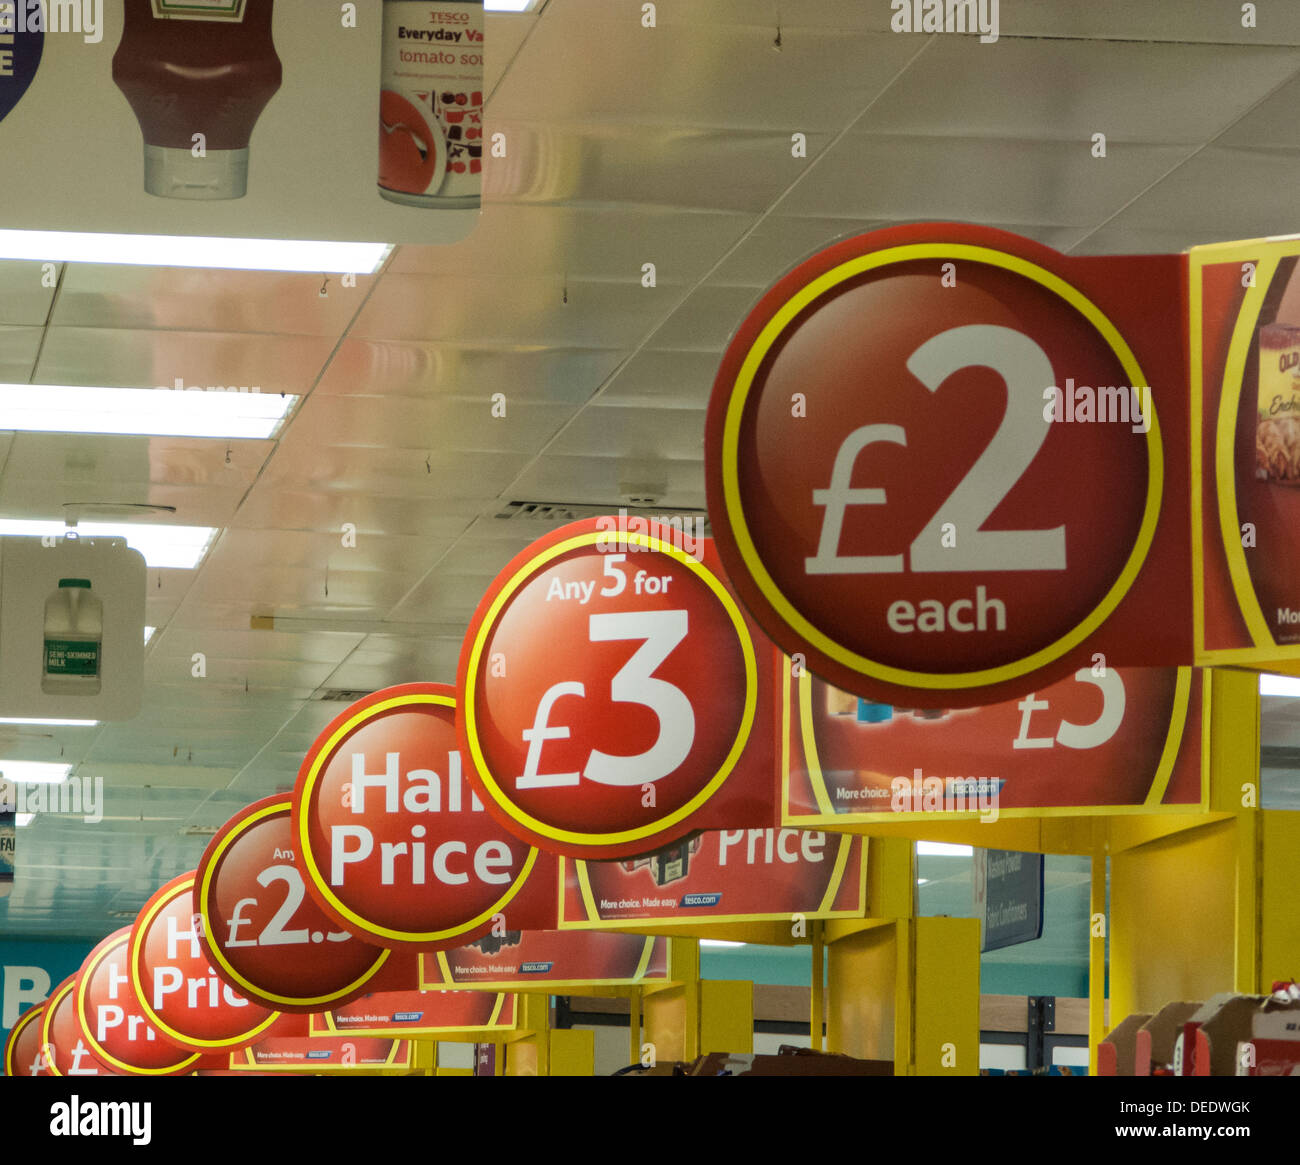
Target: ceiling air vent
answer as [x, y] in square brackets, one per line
[575, 511]
[342, 695]
[200, 831]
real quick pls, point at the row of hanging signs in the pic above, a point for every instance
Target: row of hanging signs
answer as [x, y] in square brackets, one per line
[979, 509]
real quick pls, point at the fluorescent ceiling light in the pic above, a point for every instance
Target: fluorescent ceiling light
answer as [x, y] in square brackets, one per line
[182, 251]
[509, 5]
[169, 547]
[141, 412]
[941, 849]
[148, 633]
[34, 772]
[22, 820]
[719, 942]
[922, 881]
[51, 723]
[1271, 685]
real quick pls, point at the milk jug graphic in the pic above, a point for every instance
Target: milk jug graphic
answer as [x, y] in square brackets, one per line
[74, 633]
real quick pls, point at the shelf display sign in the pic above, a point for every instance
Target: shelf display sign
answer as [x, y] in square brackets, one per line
[111, 1021]
[63, 1049]
[312, 1054]
[1245, 335]
[947, 465]
[24, 1055]
[540, 960]
[394, 844]
[1007, 897]
[457, 1016]
[179, 993]
[1112, 740]
[730, 875]
[615, 697]
[267, 939]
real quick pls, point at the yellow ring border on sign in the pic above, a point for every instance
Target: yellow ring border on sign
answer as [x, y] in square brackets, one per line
[137, 945]
[313, 871]
[35, 1012]
[1225, 454]
[284, 806]
[95, 1046]
[529, 568]
[1152, 801]
[731, 480]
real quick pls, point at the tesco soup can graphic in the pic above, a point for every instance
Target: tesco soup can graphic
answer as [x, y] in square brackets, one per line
[431, 103]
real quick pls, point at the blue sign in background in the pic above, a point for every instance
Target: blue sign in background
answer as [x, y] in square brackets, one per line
[31, 969]
[20, 57]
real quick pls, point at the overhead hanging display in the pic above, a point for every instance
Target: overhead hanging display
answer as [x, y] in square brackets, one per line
[393, 843]
[1118, 739]
[615, 696]
[203, 118]
[946, 464]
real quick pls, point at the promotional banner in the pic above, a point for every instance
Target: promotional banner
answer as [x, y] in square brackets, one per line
[203, 117]
[111, 1021]
[541, 960]
[947, 465]
[1245, 335]
[23, 1054]
[179, 993]
[732, 875]
[1104, 740]
[63, 1049]
[268, 940]
[312, 1054]
[615, 697]
[458, 1016]
[1008, 897]
[393, 843]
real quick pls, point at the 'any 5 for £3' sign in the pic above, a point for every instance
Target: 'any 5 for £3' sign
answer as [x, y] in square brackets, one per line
[609, 686]
[934, 465]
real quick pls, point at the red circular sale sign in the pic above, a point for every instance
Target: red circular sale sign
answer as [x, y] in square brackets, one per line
[395, 845]
[64, 1050]
[111, 1021]
[176, 986]
[609, 684]
[267, 937]
[23, 1055]
[933, 464]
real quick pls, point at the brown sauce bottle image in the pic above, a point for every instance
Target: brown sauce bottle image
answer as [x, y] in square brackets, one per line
[197, 67]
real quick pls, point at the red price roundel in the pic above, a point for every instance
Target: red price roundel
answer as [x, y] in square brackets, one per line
[933, 464]
[268, 939]
[23, 1055]
[110, 1019]
[179, 992]
[609, 683]
[63, 1050]
[395, 845]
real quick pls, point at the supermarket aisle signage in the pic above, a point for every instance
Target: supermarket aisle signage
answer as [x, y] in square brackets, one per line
[21, 47]
[63, 1050]
[178, 991]
[937, 456]
[111, 1021]
[267, 938]
[460, 1016]
[610, 686]
[394, 844]
[543, 959]
[1113, 739]
[23, 1054]
[311, 1054]
[1008, 897]
[730, 875]
[1245, 330]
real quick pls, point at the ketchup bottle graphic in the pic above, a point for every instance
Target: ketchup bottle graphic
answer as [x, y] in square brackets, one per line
[197, 73]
